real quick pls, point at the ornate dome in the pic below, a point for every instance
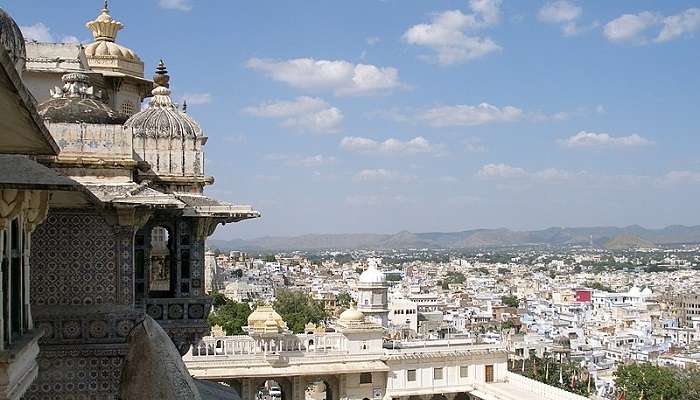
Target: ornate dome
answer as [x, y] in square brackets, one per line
[104, 53]
[76, 102]
[265, 319]
[352, 314]
[162, 118]
[12, 40]
[372, 274]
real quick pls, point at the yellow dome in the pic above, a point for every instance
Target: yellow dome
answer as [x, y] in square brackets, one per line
[352, 315]
[265, 319]
[105, 48]
[104, 53]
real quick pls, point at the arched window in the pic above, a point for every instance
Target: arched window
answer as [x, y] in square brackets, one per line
[159, 276]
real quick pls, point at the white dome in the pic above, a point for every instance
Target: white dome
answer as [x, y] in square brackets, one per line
[647, 292]
[634, 291]
[352, 315]
[372, 274]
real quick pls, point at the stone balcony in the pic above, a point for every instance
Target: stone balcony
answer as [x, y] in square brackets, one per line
[18, 365]
[183, 318]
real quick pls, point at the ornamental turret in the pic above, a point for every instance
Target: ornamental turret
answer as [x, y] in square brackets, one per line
[104, 55]
[169, 140]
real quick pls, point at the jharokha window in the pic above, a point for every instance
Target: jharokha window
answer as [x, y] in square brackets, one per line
[14, 257]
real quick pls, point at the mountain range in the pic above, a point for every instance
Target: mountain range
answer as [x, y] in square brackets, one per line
[633, 236]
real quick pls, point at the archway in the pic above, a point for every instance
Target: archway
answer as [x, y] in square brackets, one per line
[270, 390]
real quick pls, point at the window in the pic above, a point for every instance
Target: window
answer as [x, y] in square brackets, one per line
[437, 374]
[365, 377]
[463, 371]
[411, 375]
[127, 108]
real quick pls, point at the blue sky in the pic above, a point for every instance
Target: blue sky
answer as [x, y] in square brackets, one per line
[381, 116]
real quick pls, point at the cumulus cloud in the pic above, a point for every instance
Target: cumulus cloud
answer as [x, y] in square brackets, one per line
[342, 77]
[301, 161]
[566, 14]
[392, 146]
[304, 113]
[197, 98]
[180, 5]
[633, 28]
[585, 139]
[504, 171]
[678, 25]
[630, 28]
[381, 175]
[447, 36]
[508, 172]
[466, 115]
[39, 32]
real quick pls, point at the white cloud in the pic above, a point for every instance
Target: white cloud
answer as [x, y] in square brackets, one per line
[372, 40]
[630, 28]
[502, 171]
[465, 115]
[392, 146]
[510, 173]
[381, 175]
[180, 5]
[39, 32]
[446, 36]
[680, 24]
[301, 161]
[341, 77]
[566, 14]
[681, 177]
[585, 139]
[559, 11]
[304, 113]
[474, 145]
[197, 98]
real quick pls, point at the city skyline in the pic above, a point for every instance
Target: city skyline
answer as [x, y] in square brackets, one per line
[439, 116]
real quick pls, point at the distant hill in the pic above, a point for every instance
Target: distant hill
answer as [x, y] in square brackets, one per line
[633, 236]
[626, 241]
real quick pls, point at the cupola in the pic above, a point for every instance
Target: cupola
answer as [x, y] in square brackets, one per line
[12, 40]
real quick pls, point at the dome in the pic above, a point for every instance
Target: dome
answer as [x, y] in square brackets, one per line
[105, 48]
[372, 274]
[647, 292]
[352, 314]
[264, 318]
[634, 291]
[162, 118]
[104, 54]
[12, 40]
[76, 102]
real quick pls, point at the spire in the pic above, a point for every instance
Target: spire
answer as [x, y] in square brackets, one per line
[104, 27]
[161, 91]
[184, 105]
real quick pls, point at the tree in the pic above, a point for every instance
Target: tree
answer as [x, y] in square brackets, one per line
[654, 381]
[269, 258]
[217, 298]
[599, 286]
[343, 299]
[455, 277]
[232, 316]
[298, 309]
[510, 301]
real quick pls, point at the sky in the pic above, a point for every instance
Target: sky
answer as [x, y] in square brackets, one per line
[381, 116]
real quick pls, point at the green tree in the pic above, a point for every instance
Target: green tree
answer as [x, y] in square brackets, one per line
[232, 316]
[510, 301]
[343, 299]
[653, 381]
[455, 277]
[298, 309]
[217, 298]
[599, 286]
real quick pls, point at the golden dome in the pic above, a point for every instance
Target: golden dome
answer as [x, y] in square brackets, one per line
[265, 319]
[352, 314]
[104, 48]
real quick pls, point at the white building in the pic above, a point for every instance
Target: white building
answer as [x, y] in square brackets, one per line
[373, 294]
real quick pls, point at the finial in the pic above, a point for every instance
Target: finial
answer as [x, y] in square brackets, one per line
[184, 106]
[161, 78]
[106, 7]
